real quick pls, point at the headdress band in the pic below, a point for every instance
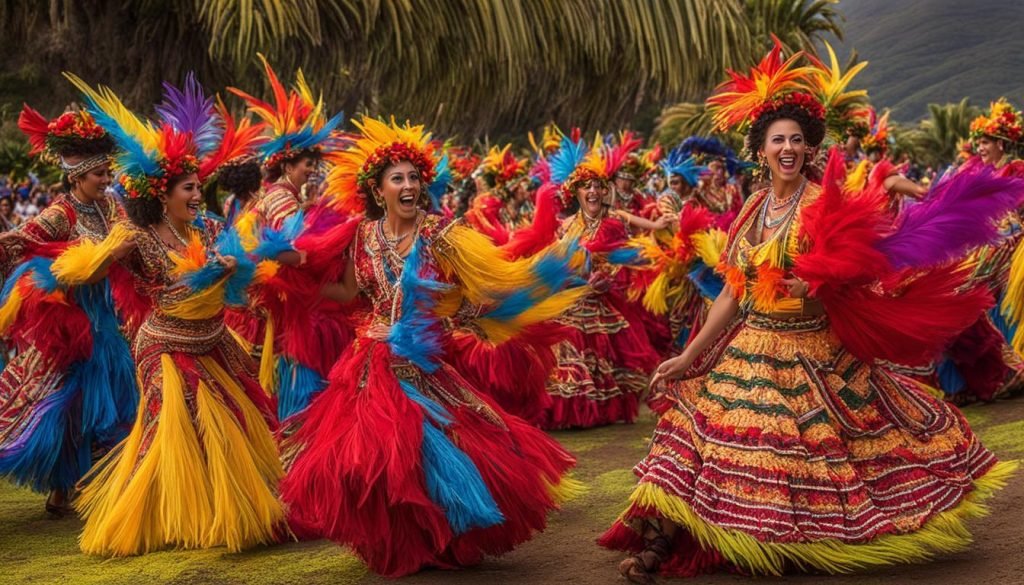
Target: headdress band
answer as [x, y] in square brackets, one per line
[77, 170]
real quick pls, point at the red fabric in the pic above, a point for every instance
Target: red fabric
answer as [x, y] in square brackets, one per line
[542, 232]
[484, 216]
[359, 480]
[515, 373]
[977, 353]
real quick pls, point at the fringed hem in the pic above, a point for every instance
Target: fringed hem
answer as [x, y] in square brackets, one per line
[581, 412]
[207, 477]
[944, 533]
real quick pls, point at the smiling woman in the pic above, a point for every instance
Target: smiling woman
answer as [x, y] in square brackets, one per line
[785, 447]
[200, 466]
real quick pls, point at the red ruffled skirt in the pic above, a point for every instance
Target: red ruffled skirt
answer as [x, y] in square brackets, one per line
[365, 470]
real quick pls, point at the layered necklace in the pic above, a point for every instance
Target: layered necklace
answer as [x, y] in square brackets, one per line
[777, 212]
[89, 209]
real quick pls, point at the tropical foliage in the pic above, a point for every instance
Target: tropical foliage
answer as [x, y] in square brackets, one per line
[465, 66]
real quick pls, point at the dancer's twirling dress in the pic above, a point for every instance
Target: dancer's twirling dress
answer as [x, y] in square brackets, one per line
[785, 448]
[400, 457]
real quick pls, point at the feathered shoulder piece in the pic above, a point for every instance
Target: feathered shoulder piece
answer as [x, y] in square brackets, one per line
[377, 145]
[739, 101]
[295, 121]
[149, 155]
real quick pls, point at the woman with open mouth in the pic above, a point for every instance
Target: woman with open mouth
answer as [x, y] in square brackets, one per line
[606, 357]
[69, 395]
[295, 348]
[200, 467]
[784, 447]
[400, 457]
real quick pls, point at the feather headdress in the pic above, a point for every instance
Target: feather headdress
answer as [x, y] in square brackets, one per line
[149, 156]
[739, 101]
[877, 137]
[377, 145]
[501, 167]
[680, 161]
[843, 108]
[70, 133]
[706, 148]
[1002, 121]
[296, 123]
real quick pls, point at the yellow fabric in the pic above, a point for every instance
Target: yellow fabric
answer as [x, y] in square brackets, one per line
[80, 262]
[944, 533]
[9, 310]
[268, 373]
[205, 304]
[1012, 305]
[203, 483]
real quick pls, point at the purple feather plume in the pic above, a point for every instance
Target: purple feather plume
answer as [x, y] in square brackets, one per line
[190, 110]
[958, 215]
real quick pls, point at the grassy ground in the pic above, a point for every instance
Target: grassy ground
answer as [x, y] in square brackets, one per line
[36, 549]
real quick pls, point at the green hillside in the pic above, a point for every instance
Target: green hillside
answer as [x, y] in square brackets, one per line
[936, 51]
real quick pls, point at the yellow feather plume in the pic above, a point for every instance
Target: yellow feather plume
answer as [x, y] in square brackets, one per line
[106, 100]
[80, 262]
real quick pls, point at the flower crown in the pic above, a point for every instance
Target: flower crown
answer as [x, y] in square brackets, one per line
[377, 145]
[75, 129]
[1002, 122]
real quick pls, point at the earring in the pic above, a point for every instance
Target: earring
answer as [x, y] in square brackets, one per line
[762, 172]
[378, 199]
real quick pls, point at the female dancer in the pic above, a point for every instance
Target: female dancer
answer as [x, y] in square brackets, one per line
[69, 395]
[785, 448]
[200, 466]
[399, 457]
[604, 362]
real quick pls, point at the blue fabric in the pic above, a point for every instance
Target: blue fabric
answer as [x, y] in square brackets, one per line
[950, 379]
[297, 386]
[453, 481]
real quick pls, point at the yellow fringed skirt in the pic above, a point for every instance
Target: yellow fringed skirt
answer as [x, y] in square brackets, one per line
[200, 468]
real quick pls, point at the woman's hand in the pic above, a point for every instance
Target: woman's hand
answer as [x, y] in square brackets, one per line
[665, 221]
[795, 287]
[230, 263]
[379, 332]
[672, 369]
[123, 249]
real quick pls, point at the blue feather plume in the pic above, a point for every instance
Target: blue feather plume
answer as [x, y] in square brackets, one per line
[416, 334]
[439, 186]
[679, 162]
[565, 160]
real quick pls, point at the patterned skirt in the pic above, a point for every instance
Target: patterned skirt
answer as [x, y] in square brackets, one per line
[603, 365]
[790, 453]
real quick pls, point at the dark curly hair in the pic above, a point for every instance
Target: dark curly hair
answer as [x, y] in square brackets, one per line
[241, 180]
[147, 211]
[812, 128]
[274, 173]
[85, 148]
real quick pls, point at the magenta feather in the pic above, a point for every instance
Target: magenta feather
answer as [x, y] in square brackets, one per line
[957, 215]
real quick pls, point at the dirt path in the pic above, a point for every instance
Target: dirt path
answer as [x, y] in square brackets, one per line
[34, 549]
